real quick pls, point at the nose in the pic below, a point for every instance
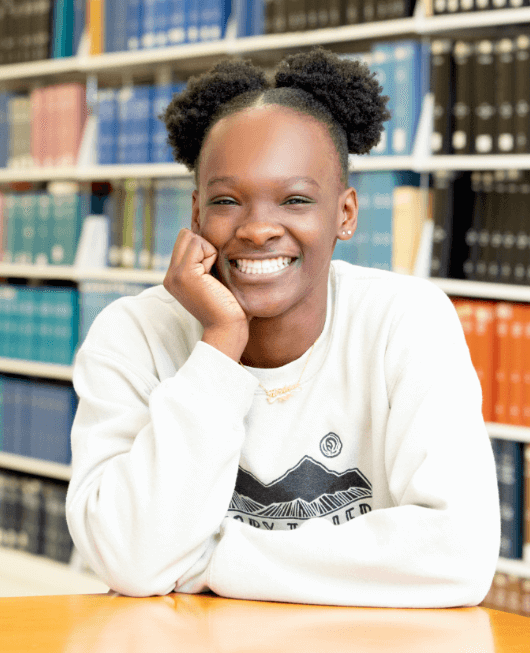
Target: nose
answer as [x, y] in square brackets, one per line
[259, 229]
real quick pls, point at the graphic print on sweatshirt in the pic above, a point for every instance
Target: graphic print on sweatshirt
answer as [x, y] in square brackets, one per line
[307, 490]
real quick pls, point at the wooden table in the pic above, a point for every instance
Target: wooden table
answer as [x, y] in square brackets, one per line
[99, 623]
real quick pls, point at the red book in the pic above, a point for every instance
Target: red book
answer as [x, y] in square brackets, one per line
[502, 358]
[515, 393]
[38, 126]
[52, 120]
[71, 107]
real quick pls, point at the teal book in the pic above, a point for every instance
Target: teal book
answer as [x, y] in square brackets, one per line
[43, 229]
[44, 325]
[27, 223]
[66, 227]
[65, 320]
[63, 29]
[15, 221]
[26, 323]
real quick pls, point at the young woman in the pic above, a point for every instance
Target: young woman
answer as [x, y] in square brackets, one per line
[270, 424]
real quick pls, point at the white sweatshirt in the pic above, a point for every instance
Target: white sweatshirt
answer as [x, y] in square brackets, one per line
[374, 485]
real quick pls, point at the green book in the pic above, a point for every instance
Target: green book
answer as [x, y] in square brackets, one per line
[128, 225]
[146, 256]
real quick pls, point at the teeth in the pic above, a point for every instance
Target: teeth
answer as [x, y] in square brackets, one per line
[269, 265]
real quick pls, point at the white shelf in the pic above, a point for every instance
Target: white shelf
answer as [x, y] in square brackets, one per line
[66, 273]
[508, 432]
[472, 20]
[519, 568]
[25, 574]
[484, 290]
[476, 162]
[35, 466]
[34, 368]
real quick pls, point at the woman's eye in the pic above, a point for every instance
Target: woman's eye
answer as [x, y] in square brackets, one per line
[302, 200]
[224, 201]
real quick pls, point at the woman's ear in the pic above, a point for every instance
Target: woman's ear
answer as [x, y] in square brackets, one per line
[195, 214]
[348, 210]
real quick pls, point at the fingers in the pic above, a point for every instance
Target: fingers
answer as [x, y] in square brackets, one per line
[192, 253]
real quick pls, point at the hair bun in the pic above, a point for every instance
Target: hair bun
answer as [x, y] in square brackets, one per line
[191, 111]
[346, 88]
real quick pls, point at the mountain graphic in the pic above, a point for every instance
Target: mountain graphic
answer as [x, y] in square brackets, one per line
[307, 490]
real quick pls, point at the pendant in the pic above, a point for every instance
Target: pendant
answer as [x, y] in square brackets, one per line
[282, 394]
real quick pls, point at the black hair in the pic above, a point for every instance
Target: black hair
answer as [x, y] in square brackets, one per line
[341, 93]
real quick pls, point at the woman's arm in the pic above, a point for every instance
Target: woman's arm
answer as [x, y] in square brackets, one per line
[154, 463]
[438, 546]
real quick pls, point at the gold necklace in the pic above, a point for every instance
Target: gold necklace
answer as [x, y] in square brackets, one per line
[282, 394]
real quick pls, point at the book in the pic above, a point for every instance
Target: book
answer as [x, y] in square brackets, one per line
[442, 192]
[408, 216]
[462, 138]
[484, 100]
[515, 381]
[504, 96]
[177, 22]
[442, 73]
[107, 139]
[510, 477]
[504, 316]
[521, 89]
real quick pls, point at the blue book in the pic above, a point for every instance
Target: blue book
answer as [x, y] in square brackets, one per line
[160, 151]
[4, 129]
[164, 220]
[209, 19]
[138, 124]
[52, 413]
[79, 18]
[16, 416]
[192, 20]
[6, 300]
[177, 27]
[381, 188]
[409, 62]
[11, 295]
[243, 19]
[26, 323]
[133, 24]
[8, 417]
[108, 126]
[383, 66]
[510, 477]
[92, 300]
[147, 39]
[110, 22]
[161, 31]
[257, 17]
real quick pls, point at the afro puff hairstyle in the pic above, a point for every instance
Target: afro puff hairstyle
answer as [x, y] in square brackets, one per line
[343, 94]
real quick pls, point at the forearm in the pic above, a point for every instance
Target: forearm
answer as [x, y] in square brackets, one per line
[143, 506]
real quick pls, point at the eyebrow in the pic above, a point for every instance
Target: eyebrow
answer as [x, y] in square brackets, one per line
[288, 180]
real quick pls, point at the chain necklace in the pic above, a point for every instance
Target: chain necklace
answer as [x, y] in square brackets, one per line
[282, 394]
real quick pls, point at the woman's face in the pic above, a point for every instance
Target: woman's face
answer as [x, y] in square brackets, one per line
[270, 200]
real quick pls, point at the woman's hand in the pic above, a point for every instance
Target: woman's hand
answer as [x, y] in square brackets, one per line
[189, 280]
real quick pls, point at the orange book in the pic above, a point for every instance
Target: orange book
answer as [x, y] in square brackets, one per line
[515, 366]
[484, 327]
[95, 26]
[526, 368]
[503, 317]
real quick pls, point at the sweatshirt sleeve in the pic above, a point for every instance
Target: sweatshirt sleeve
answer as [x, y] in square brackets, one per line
[438, 545]
[153, 463]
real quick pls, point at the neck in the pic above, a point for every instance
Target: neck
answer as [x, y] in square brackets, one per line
[277, 341]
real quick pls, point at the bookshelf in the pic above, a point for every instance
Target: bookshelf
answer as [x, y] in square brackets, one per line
[192, 59]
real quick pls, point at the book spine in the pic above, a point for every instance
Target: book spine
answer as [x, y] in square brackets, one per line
[146, 256]
[485, 113]
[522, 94]
[503, 319]
[96, 27]
[160, 150]
[107, 126]
[484, 318]
[504, 96]
[210, 20]
[177, 22]
[408, 92]
[192, 22]
[133, 22]
[443, 219]
[442, 75]
[526, 507]
[352, 12]
[515, 384]
[4, 129]
[148, 24]
[42, 28]
[509, 203]
[511, 479]
[30, 537]
[383, 67]
[462, 137]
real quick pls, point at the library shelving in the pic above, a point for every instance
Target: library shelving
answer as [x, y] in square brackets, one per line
[119, 67]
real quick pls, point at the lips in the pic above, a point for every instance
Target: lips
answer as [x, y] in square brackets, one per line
[262, 266]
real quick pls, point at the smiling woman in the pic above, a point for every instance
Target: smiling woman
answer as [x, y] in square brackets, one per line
[271, 424]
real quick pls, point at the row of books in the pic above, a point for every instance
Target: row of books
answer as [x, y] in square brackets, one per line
[482, 226]
[36, 418]
[129, 126]
[472, 113]
[32, 30]
[44, 128]
[498, 337]
[509, 593]
[39, 323]
[512, 462]
[402, 69]
[43, 227]
[33, 516]
[161, 23]
[460, 6]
